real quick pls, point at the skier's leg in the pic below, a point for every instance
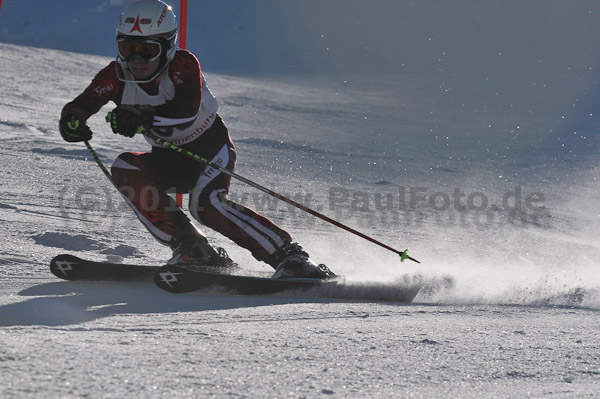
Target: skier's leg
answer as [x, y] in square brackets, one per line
[134, 175]
[142, 179]
[210, 206]
[264, 239]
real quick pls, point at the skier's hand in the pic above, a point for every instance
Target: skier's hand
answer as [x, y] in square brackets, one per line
[128, 120]
[72, 125]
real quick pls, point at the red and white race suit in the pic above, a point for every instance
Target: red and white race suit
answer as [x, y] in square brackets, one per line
[185, 115]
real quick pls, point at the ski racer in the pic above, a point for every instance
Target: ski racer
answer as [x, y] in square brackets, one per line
[158, 87]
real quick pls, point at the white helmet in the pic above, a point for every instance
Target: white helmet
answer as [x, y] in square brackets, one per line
[148, 22]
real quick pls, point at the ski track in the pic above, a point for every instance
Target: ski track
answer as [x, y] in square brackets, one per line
[508, 306]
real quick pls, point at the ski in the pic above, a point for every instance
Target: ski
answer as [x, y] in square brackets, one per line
[181, 279]
[224, 280]
[70, 267]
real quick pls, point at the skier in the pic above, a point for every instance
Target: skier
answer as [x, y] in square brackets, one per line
[159, 87]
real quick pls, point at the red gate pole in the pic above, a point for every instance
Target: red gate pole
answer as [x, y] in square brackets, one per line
[182, 44]
[182, 24]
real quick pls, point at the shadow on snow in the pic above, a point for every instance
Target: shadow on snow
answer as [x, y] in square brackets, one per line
[68, 303]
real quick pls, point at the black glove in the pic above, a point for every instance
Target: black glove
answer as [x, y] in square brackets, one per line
[72, 125]
[128, 120]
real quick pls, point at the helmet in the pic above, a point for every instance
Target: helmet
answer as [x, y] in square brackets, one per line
[147, 29]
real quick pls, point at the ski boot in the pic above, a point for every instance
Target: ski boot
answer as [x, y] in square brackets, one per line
[294, 263]
[197, 251]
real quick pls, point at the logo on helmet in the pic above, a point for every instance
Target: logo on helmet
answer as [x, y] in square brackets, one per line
[162, 16]
[136, 26]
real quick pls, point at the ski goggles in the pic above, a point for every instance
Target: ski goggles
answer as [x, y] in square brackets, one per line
[146, 49]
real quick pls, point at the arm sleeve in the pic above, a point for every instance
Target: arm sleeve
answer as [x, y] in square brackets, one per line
[187, 79]
[105, 87]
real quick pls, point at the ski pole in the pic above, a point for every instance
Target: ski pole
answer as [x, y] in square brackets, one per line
[164, 143]
[99, 162]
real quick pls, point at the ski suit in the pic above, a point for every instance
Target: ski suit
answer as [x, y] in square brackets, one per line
[185, 115]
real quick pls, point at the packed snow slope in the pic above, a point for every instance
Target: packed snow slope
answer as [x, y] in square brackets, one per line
[473, 142]
[316, 143]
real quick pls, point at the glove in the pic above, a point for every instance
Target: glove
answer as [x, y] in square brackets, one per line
[72, 125]
[128, 120]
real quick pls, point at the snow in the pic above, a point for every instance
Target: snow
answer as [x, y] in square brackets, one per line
[487, 173]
